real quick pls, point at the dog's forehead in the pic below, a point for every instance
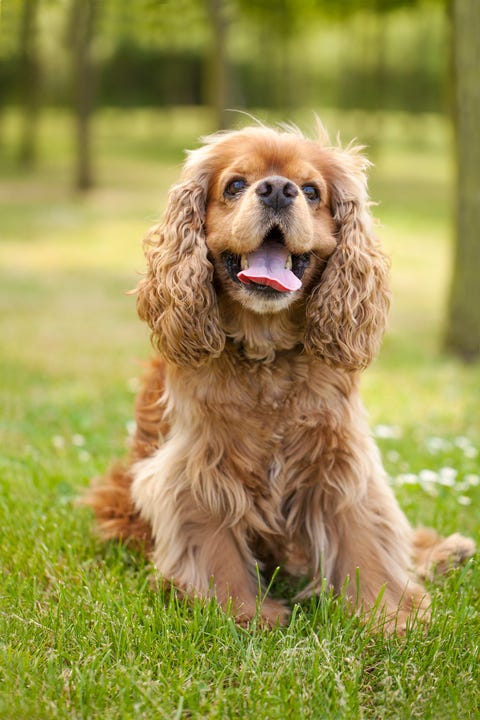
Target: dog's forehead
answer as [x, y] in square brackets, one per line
[286, 155]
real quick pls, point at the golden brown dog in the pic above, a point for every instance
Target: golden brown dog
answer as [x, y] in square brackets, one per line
[266, 293]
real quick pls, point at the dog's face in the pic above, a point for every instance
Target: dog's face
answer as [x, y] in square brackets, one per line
[269, 227]
[269, 222]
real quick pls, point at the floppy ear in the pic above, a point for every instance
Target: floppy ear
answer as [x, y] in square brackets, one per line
[347, 311]
[176, 297]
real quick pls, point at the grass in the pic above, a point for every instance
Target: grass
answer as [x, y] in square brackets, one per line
[83, 632]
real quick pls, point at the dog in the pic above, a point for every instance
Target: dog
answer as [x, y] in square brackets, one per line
[266, 293]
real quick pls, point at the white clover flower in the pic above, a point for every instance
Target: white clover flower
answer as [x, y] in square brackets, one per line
[131, 427]
[428, 476]
[78, 440]
[387, 432]
[447, 476]
[84, 456]
[133, 384]
[407, 479]
[472, 480]
[470, 452]
[437, 444]
[464, 500]
[393, 456]
[58, 442]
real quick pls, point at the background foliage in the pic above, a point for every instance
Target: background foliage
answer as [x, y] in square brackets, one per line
[344, 54]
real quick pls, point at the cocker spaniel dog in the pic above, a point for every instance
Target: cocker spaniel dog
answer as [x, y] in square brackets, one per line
[266, 294]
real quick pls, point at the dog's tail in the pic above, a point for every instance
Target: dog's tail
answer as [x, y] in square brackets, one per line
[117, 517]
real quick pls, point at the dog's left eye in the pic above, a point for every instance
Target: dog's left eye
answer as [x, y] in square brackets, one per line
[311, 192]
[235, 186]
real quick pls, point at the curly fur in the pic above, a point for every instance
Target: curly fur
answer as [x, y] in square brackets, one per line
[252, 448]
[347, 311]
[176, 297]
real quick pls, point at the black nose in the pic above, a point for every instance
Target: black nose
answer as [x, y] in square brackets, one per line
[276, 191]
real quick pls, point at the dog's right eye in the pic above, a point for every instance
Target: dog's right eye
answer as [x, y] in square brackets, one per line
[235, 187]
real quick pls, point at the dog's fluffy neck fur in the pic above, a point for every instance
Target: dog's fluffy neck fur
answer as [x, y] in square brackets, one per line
[262, 336]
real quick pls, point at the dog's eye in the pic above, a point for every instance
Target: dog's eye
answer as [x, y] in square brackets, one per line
[311, 193]
[235, 186]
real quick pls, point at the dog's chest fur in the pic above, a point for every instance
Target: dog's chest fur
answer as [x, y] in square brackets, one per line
[271, 426]
[271, 401]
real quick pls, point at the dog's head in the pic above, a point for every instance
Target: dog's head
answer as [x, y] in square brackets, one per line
[272, 221]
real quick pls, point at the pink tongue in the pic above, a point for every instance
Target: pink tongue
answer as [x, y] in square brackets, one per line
[266, 266]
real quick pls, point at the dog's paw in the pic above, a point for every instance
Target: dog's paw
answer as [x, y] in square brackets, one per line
[269, 614]
[273, 613]
[410, 609]
[437, 555]
[453, 551]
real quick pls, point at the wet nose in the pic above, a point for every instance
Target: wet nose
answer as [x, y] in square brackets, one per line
[276, 191]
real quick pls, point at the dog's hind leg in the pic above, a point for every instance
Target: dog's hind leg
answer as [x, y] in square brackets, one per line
[435, 555]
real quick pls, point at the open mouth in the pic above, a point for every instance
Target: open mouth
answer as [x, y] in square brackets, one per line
[271, 268]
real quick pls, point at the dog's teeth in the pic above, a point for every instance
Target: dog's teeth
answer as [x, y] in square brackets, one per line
[288, 264]
[244, 262]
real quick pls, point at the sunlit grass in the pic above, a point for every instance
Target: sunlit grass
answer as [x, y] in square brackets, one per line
[84, 633]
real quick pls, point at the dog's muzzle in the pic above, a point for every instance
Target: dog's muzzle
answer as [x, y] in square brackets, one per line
[269, 268]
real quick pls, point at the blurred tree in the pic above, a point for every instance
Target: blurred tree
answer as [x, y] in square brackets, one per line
[80, 35]
[279, 23]
[217, 63]
[463, 329]
[28, 75]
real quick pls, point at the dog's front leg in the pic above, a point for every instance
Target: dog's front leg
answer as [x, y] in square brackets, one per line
[374, 551]
[359, 541]
[193, 549]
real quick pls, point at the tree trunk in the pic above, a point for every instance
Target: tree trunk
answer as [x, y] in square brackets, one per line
[217, 66]
[81, 33]
[28, 83]
[463, 328]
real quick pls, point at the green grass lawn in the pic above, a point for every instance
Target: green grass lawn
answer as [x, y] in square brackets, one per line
[83, 632]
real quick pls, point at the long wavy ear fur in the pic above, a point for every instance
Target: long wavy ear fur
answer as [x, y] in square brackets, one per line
[176, 296]
[347, 311]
